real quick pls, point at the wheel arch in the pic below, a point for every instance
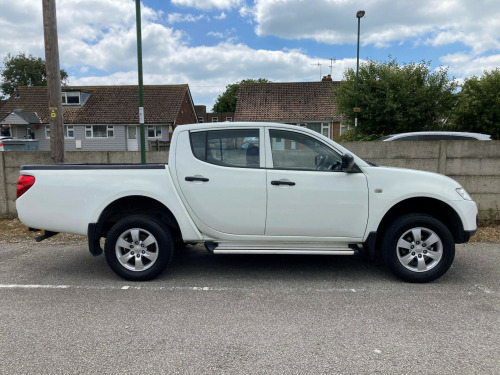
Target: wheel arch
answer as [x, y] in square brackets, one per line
[136, 205]
[423, 205]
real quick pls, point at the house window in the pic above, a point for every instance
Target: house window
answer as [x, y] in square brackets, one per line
[69, 131]
[229, 119]
[343, 128]
[325, 129]
[99, 131]
[71, 97]
[215, 119]
[200, 120]
[154, 131]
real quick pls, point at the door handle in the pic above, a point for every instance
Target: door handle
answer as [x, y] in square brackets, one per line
[195, 178]
[282, 182]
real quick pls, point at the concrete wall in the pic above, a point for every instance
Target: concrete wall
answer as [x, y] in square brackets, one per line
[474, 164]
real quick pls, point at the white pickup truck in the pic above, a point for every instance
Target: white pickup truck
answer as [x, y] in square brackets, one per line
[252, 188]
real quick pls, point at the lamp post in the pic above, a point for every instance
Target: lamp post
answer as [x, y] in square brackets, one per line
[141, 85]
[360, 14]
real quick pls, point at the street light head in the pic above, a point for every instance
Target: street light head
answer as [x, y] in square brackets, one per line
[360, 14]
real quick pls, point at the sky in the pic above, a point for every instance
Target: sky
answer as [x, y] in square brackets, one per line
[209, 44]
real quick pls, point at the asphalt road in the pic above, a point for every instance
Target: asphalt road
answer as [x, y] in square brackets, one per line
[65, 312]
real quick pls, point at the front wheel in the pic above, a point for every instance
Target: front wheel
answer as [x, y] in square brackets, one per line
[138, 248]
[418, 248]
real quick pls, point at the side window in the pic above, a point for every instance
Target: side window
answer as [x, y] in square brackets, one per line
[230, 148]
[408, 138]
[299, 151]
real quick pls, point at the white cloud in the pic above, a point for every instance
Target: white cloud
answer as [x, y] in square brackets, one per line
[221, 16]
[464, 65]
[385, 22]
[98, 37]
[101, 37]
[208, 4]
[178, 17]
[216, 34]
[227, 35]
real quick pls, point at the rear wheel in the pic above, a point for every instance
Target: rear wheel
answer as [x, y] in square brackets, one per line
[418, 248]
[138, 248]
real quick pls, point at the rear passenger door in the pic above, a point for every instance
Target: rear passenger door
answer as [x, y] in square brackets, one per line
[221, 179]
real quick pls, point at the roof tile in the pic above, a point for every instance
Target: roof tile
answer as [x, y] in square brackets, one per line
[106, 104]
[287, 102]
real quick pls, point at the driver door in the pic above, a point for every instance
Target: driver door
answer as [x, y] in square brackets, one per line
[308, 193]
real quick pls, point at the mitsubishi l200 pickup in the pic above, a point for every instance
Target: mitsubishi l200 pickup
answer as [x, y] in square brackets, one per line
[289, 190]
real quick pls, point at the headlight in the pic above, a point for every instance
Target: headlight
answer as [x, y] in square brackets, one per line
[463, 194]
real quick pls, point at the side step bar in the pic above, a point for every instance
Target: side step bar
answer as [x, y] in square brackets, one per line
[288, 252]
[281, 248]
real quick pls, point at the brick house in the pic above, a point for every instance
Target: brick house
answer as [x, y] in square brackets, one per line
[308, 104]
[100, 118]
[203, 116]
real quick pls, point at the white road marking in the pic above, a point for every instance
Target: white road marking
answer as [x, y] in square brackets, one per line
[33, 286]
[163, 288]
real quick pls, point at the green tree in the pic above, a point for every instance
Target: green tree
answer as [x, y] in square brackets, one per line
[226, 102]
[25, 70]
[478, 105]
[396, 98]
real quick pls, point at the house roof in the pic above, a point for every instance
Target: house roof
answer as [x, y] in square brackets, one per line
[105, 105]
[287, 102]
[20, 117]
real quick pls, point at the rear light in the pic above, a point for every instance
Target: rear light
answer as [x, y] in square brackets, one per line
[23, 184]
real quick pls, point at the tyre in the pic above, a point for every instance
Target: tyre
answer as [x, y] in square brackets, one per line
[418, 248]
[138, 248]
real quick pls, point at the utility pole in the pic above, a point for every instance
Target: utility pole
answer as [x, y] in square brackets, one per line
[53, 72]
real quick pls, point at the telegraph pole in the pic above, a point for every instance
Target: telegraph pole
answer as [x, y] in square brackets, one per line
[53, 72]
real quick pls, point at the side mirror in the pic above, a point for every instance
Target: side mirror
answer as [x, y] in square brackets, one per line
[347, 162]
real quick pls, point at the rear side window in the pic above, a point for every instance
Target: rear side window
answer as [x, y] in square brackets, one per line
[230, 148]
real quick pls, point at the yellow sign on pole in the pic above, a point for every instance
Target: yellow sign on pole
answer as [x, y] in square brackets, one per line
[53, 115]
[356, 109]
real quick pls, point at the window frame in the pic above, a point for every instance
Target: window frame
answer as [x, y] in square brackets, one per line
[260, 134]
[269, 150]
[64, 97]
[155, 130]
[110, 129]
[67, 130]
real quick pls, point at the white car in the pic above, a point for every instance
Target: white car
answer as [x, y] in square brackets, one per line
[292, 191]
[436, 136]
[2, 138]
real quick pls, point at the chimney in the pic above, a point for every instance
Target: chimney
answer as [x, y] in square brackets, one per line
[327, 78]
